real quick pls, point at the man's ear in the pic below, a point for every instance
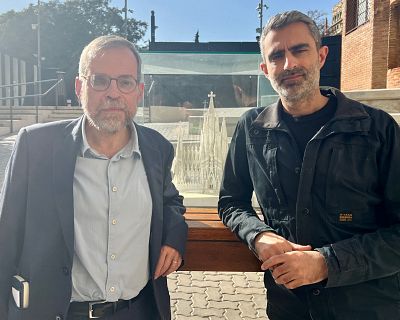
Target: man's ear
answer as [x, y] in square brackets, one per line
[264, 68]
[322, 54]
[78, 87]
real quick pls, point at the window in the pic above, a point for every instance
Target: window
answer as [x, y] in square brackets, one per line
[362, 12]
[357, 14]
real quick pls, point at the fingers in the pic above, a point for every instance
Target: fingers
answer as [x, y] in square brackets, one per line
[273, 262]
[160, 264]
[299, 247]
[169, 261]
[297, 268]
[268, 244]
[174, 265]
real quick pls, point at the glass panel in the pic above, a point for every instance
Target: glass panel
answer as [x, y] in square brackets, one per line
[186, 79]
[195, 101]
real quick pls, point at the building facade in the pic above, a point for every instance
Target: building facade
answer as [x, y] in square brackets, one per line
[337, 19]
[370, 50]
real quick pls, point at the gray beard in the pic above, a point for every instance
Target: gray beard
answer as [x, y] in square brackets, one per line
[110, 125]
[298, 92]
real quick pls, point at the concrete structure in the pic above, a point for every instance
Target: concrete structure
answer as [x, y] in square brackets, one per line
[385, 99]
[370, 50]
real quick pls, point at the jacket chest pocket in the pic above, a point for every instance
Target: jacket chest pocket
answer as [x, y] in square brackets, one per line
[350, 183]
[262, 159]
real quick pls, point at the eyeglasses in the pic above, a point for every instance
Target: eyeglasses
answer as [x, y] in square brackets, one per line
[101, 82]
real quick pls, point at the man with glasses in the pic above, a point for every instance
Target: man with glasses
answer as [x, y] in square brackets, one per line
[326, 174]
[90, 222]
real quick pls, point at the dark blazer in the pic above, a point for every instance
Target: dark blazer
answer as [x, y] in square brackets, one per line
[37, 216]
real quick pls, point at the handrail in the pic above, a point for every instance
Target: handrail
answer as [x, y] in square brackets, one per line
[34, 95]
[25, 83]
[29, 96]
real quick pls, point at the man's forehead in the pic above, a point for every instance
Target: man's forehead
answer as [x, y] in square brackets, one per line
[118, 60]
[113, 51]
[289, 36]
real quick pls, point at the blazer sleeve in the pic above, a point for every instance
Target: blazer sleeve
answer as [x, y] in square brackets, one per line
[175, 229]
[13, 201]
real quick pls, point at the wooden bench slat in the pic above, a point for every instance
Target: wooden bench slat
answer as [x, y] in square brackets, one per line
[201, 210]
[220, 256]
[212, 246]
[201, 216]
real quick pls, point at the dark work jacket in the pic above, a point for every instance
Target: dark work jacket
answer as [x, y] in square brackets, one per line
[342, 198]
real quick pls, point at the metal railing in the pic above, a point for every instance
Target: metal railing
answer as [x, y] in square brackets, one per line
[36, 95]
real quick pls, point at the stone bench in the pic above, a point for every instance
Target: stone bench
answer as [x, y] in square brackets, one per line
[213, 247]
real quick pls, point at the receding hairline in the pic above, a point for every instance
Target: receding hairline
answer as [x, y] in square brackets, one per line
[286, 26]
[283, 20]
[100, 45]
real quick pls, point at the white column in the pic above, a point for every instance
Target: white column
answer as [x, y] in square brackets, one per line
[35, 78]
[22, 77]
[1, 79]
[7, 77]
[15, 89]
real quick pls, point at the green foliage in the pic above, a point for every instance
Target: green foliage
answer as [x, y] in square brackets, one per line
[66, 27]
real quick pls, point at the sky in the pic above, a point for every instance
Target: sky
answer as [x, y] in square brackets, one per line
[216, 20]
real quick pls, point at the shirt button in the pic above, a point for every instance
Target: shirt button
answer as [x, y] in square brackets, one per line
[316, 292]
[112, 289]
[306, 211]
[297, 170]
[114, 189]
[113, 256]
[114, 221]
[65, 271]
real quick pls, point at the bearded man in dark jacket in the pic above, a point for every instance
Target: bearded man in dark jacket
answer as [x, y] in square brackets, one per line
[326, 174]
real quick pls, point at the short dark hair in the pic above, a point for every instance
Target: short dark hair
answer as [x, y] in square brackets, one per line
[282, 20]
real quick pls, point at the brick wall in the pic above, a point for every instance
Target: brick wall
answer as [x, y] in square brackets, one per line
[393, 74]
[365, 49]
[380, 43]
[393, 78]
[356, 62]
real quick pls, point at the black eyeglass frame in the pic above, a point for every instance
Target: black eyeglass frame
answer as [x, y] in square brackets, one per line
[90, 79]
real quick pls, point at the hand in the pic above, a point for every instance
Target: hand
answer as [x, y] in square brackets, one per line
[169, 261]
[297, 268]
[268, 244]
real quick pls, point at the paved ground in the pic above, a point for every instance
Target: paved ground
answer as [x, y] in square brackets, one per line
[199, 295]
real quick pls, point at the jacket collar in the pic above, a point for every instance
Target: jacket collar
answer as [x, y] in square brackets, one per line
[347, 108]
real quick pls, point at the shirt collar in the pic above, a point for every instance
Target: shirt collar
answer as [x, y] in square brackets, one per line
[129, 150]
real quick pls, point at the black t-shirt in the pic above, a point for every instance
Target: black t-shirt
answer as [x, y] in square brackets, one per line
[303, 128]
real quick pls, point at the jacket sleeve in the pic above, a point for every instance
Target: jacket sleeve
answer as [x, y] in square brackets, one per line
[234, 205]
[175, 228]
[374, 255]
[12, 217]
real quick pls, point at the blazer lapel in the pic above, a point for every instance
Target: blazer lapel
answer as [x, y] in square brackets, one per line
[152, 163]
[64, 159]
